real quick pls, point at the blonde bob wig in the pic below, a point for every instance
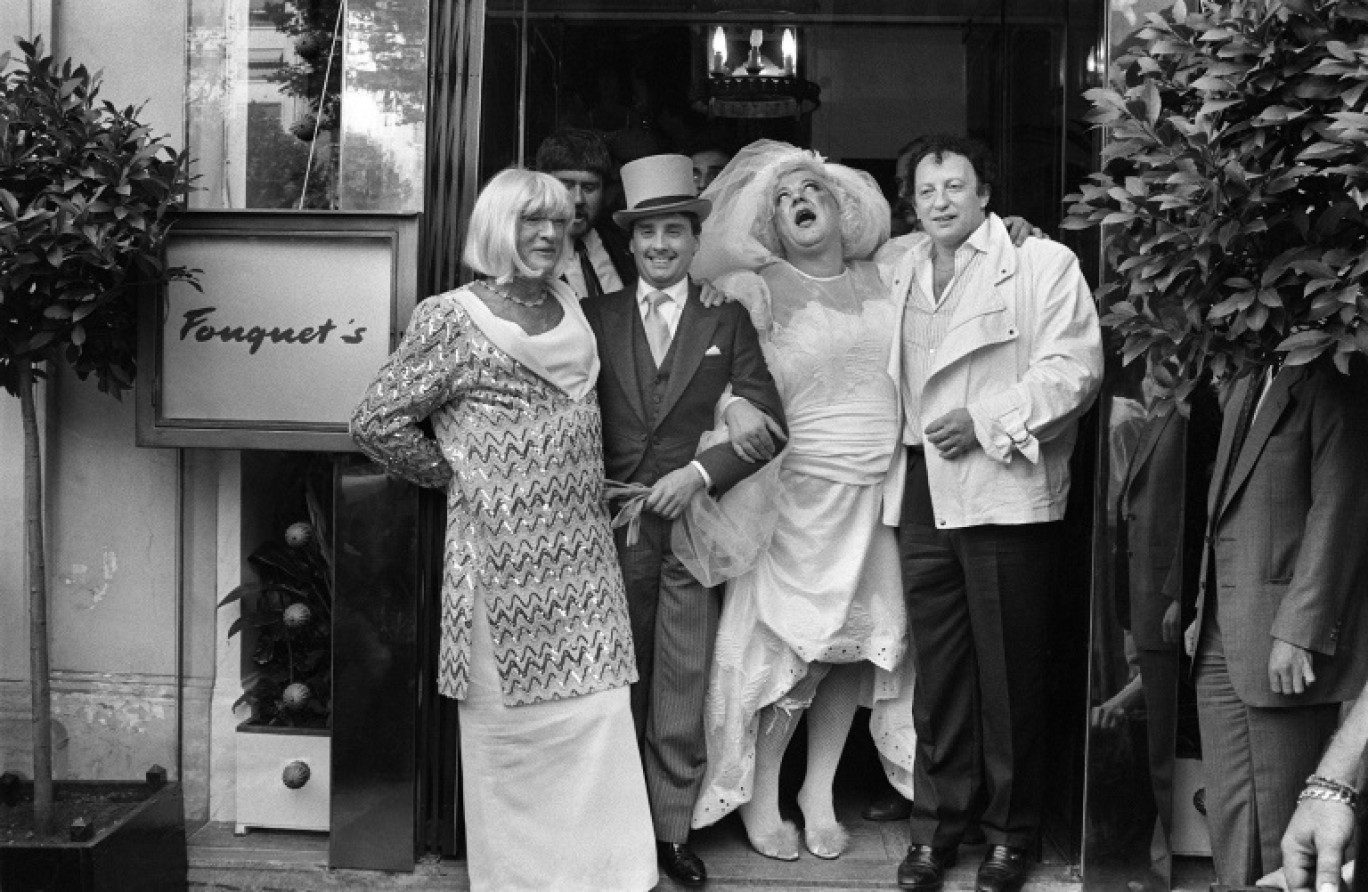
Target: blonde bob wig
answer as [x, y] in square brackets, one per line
[491, 247]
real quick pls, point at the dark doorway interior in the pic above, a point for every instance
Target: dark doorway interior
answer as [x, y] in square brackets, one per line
[1010, 74]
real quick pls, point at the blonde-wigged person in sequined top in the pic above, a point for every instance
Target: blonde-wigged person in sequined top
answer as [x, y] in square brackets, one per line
[535, 640]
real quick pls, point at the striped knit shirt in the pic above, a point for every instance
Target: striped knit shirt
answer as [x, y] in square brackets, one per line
[926, 321]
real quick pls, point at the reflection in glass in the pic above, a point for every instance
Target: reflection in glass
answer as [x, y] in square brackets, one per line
[1143, 750]
[375, 674]
[264, 101]
[1136, 657]
[1154, 504]
[270, 122]
[383, 95]
[1160, 454]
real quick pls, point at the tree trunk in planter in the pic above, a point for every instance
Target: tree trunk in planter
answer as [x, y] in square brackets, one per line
[284, 778]
[142, 850]
[39, 684]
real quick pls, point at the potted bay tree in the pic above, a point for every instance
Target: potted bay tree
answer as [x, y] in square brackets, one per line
[1234, 187]
[86, 198]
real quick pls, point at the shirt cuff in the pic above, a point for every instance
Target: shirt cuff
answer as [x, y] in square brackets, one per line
[1001, 435]
[698, 466]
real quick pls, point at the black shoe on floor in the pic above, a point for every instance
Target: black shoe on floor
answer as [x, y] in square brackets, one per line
[1004, 869]
[680, 863]
[924, 868]
[889, 807]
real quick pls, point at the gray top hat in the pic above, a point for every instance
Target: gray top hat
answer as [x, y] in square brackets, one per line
[660, 184]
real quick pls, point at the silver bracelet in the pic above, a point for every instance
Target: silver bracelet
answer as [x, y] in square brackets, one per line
[1327, 793]
[1320, 780]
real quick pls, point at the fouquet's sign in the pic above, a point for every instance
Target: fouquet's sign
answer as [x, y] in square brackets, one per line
[197, 322]
[296, 312]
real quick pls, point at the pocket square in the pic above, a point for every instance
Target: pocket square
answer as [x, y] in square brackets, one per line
[712, 351]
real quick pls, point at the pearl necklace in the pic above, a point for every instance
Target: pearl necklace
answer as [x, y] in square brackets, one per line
[506, 293]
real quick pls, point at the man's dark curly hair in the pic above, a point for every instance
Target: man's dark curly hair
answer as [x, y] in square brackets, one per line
[573, 148]
[937, 145]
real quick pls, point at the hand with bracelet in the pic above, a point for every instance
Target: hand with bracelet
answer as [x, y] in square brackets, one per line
[1319, 832]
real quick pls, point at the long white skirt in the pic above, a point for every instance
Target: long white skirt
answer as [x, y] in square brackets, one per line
[555, 797]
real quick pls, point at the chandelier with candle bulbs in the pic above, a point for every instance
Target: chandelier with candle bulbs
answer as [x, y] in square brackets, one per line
[750, 84]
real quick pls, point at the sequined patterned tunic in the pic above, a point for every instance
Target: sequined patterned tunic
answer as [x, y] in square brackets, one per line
[522, 465]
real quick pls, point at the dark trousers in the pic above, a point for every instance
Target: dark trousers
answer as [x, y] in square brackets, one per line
[978, 611]
[1159, 680]
[674, 624]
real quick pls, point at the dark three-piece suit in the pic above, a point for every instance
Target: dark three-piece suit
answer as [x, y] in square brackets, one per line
[653, 419]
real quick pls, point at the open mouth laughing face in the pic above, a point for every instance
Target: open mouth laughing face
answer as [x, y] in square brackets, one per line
[805, 210]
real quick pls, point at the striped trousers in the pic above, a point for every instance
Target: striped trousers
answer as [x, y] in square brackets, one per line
[674, 625]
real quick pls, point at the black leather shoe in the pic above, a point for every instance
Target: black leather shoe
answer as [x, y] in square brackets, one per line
[1004, 869]
[680, 863]
[924, 868]
[889, 807]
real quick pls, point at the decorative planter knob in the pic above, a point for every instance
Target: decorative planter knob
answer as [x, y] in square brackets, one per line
[297, 615]
[296, 774]
[298, 534]
[295, 696]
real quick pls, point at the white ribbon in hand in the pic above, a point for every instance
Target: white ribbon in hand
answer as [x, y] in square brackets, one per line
[634, 496]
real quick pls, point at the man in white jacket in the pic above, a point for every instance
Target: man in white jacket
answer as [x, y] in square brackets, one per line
[1000, 352]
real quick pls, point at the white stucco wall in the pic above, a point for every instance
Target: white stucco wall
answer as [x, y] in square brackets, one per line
[140, 46]
[14, 629]
[26, 19]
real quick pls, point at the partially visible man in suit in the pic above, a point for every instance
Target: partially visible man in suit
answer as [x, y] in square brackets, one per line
[666, 361]
[1282, 611]
[581, 161]
[1160, 518]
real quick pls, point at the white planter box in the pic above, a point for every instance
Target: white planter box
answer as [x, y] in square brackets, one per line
[263, 799]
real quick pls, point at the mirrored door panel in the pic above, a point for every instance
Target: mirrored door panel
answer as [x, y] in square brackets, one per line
[1145, 820]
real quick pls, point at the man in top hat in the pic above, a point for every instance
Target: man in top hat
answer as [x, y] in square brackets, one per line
[666, 361]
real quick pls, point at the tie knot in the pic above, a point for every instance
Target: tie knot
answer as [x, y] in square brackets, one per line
[657, 299]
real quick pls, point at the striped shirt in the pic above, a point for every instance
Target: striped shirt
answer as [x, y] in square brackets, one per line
[927, 320]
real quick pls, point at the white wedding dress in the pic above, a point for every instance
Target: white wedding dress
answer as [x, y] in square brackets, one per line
[828, 587]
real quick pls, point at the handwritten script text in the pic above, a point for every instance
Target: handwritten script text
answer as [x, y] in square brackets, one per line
[197, 325]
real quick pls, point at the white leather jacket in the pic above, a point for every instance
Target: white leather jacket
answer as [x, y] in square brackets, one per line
[1024, 355]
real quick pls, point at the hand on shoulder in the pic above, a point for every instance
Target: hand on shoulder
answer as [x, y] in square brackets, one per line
[735, 291]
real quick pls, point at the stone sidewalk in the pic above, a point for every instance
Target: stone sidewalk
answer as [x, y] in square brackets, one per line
[278, 860]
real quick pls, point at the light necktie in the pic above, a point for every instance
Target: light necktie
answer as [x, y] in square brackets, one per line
[592, 286]
[657, 330]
